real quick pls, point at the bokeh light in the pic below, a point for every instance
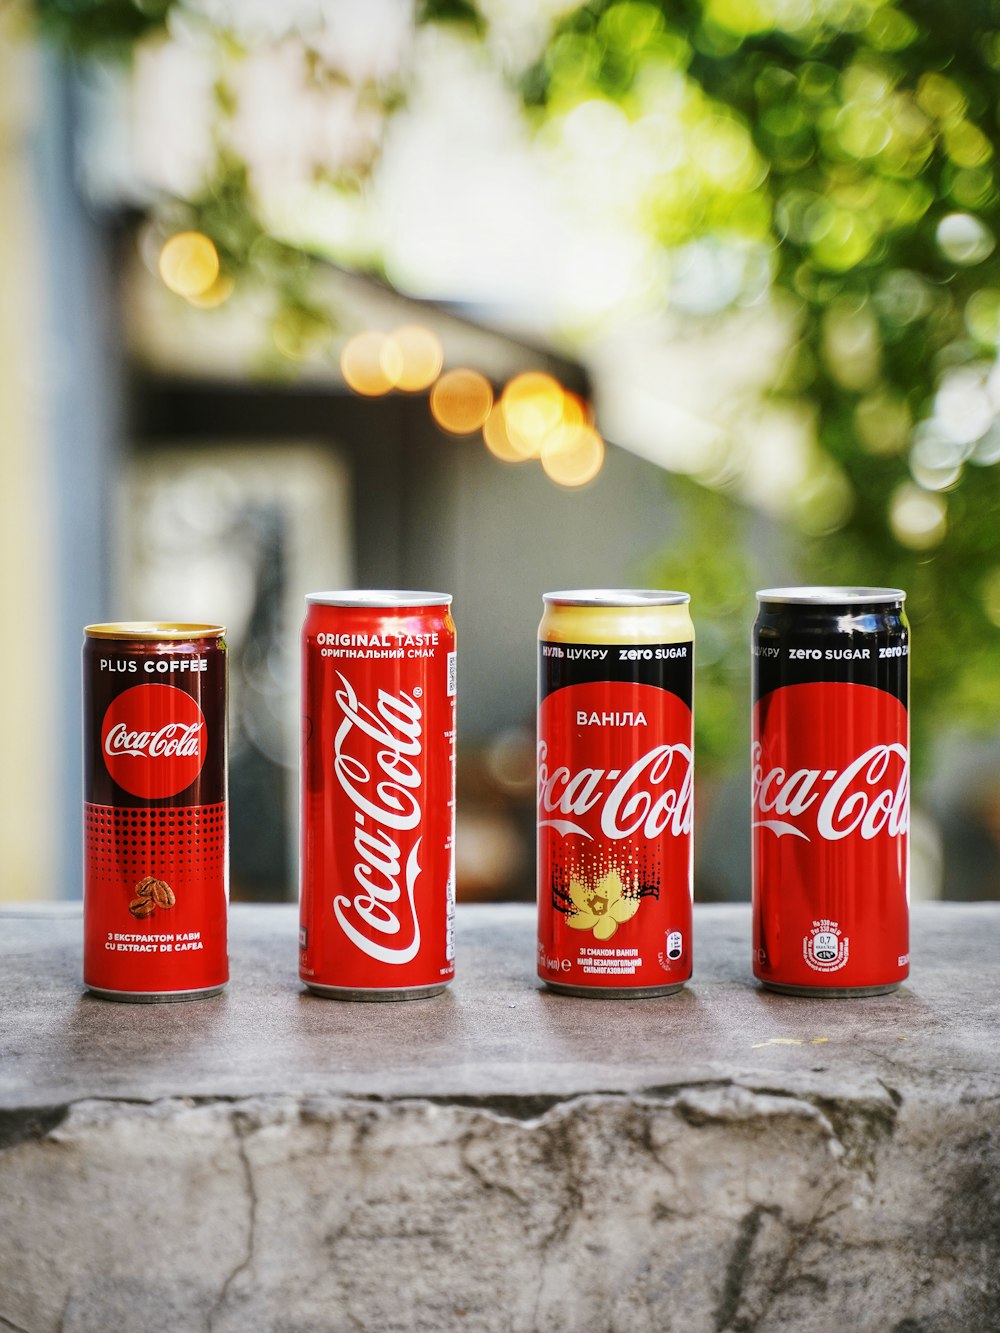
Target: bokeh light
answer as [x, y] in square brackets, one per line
[575, 411]
[825, 501]
[964, 239]
[497, 440]
[883, 422]
[536, 417]
[987, 450]
[412, 357]
[962, 406]
[189, 264]
[215, 295]
[918, 519]
[532, 405]
[936, 457]
[573, 455]
[361, 364]
[461, 401]
[903, 297]
[851, 345]
[982, 316]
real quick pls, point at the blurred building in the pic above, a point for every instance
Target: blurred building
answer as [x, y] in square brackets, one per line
[769, 283]
[155, 474]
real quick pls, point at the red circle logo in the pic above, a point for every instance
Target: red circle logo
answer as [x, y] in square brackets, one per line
[154, 739]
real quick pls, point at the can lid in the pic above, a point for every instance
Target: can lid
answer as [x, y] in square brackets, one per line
[616, 597]
[157, 631]
[832, 596]
[386, 598]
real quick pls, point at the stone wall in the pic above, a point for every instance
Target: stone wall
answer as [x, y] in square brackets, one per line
[806, 1180]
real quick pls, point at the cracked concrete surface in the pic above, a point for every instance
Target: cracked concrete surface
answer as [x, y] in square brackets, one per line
[720, 1162]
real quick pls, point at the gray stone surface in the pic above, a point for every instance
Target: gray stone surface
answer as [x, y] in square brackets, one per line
[499, 1158]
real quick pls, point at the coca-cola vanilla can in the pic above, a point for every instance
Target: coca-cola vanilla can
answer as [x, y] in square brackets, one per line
[156, 851]
[378, 795]
[830, 774]
[615, 792]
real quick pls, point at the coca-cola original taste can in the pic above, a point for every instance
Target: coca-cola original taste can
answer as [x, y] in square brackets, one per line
[615, 792]
[155, 884]
[830, 772]
[378, 795]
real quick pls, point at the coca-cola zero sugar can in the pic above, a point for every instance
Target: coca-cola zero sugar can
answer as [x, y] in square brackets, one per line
[155, 884]
[615, 792]
[830, 774]
[378, 795]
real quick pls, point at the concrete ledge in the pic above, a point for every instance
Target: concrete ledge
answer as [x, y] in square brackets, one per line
[500, 1158]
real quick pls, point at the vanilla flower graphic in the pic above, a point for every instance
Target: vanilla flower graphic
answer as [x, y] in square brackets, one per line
[601, 909]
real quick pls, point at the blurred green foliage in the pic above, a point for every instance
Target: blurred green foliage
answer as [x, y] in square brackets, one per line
[851, 146]
[712, 559]
[864, 137]
[102, 26]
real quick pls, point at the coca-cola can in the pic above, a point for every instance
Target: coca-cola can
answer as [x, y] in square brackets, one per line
[378, 795]
[615, 792]
[830, 773]
[156, 836]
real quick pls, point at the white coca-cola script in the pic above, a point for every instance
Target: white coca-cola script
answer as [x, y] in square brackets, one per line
[176, 738]
[867, 796]
[384, 794]
[654, 795]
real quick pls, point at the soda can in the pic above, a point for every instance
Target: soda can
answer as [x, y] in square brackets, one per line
[156, 835]
[830, 774]
[615, 792]
[378, 795]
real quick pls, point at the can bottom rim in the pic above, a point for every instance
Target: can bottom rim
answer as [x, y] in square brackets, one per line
[156, 997]
[376, 996]
[830, 992]
[613, 992]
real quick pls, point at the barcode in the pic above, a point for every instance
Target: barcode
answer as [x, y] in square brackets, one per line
[452, 673]
[449, 920]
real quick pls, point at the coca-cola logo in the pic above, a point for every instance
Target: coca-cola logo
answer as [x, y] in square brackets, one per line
[652, 796]
[615, 763]
[153, 738]
[831, 762]
[376, 761]
[868, 796]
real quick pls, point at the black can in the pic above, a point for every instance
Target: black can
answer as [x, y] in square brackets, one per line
[830, 773]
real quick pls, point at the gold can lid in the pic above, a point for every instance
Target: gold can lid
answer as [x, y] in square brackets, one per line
[154, 631]
[616, 597]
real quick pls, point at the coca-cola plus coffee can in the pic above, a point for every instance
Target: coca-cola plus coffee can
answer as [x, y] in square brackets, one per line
[830, 771]
[378, 795]
[615, 792]
[156, 852]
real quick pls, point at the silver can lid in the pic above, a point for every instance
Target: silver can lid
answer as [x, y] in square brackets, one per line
[616, 597]
[387, 598]
[831, 596]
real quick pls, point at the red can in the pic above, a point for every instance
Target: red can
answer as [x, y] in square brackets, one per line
[378, 795]
[830, 769]
[615, 792]
[155, 877]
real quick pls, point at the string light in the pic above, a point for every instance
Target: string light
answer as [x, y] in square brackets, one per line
[573, 455]
[461, 401]
[412, 357]
[361, 364]
[189, 264]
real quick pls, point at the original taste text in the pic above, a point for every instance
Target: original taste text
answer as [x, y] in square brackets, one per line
[380, 646]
